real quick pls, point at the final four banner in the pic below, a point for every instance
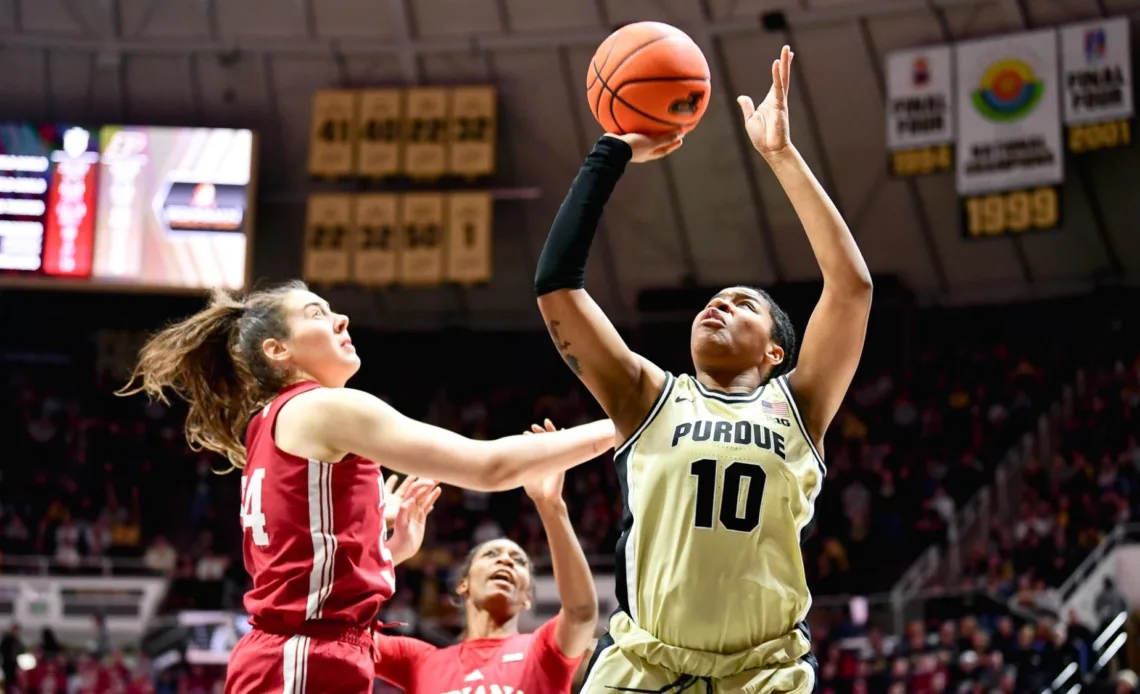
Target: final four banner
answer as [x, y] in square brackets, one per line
[920, 97]
[1096, 58]
[1009, 113]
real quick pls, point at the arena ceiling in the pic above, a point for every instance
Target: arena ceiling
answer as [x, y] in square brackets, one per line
[711, 214]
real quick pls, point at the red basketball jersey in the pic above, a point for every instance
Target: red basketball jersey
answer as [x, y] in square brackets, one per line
[313, 533]
[519, 664]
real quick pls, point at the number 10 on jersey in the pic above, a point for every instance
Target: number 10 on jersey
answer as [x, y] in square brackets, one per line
[736, 514]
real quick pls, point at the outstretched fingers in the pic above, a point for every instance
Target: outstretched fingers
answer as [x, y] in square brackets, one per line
[778, 89]
[429, 501]
[786, 56]
[746, 106]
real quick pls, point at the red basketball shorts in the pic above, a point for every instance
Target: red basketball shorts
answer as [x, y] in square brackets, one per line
[264, 663]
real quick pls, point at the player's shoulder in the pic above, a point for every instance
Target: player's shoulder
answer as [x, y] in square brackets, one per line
[427, 658]
[430, 650]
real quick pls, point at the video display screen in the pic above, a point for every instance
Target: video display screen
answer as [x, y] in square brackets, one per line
[113, 206]
[47, 188]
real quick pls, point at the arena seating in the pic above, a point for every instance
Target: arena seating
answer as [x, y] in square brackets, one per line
[1071, 501]
[919, 433]
[107, 467]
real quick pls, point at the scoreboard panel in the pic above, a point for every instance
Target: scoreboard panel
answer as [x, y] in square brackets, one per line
[427, 132]
[422, 220]
[333, 133]
[381, 136]
[474, 129]
[328, 228]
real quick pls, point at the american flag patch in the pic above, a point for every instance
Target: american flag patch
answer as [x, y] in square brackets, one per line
[776, 409]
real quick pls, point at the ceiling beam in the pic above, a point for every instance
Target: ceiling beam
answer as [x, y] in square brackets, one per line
[418, 47]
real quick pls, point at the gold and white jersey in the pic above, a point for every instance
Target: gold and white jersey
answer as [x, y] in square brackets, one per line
[718, 491]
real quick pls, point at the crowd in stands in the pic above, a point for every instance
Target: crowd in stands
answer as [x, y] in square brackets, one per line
[48, 668]
[916, 437]
[970, 655]
[1090, 485]
[106, 468]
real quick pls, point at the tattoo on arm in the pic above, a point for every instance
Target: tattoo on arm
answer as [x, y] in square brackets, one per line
[563, 346]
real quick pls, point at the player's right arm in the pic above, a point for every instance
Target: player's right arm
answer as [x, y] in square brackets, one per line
[398, 658]
[330, 423]
[624, 383]
[580, 672]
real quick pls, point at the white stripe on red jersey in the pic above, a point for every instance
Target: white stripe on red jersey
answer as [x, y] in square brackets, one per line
[313, 534]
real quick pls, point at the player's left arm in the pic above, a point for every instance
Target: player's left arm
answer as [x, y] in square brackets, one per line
[578, 618]
[833, 340]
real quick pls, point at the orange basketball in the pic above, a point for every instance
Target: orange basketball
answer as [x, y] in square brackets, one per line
[648, 78]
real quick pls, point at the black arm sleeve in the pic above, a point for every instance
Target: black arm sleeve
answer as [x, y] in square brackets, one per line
[562, 264]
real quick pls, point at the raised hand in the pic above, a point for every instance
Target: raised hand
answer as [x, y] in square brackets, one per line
[646, 148]
[410, 522]
[544, 489]
[767, 124]
[408, 486]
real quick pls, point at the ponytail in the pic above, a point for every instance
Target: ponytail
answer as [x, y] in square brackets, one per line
[213, 360]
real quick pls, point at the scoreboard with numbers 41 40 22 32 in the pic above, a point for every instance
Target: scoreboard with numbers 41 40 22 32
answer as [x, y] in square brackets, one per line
[417, 133]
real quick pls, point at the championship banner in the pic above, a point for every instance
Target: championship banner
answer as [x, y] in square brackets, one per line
[469, 237]
[420, 261]
[375, 241]
[1009, 116]
[328, 226]
[426, 132]
[1096, 64]
[473, 131]
[920, 117]
[381, 120]
[332, 133]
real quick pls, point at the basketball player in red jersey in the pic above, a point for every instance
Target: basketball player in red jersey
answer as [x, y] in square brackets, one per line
[312, 498]
[496, 588]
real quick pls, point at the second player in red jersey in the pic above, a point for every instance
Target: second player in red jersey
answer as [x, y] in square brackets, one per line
[496, 587]
[312, 497]
[520, 664]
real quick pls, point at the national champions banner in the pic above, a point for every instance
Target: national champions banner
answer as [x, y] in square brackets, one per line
[1096, 59]
[1009, 113]
[920, 95]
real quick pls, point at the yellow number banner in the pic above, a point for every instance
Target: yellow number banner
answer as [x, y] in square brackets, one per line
[426, 132]
[922, 161]
[1096, 136]
[332, 133]
[1016, 212]
[469, 237]
[328, 227]
[420, 260]
[376, 241]
[381, 122]
[473, 131]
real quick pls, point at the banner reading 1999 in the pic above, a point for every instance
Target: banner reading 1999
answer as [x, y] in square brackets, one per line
[1010, 150]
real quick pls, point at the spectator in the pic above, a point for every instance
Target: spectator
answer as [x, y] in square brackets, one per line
[10, 648]
[160, 557]
[1110, 602]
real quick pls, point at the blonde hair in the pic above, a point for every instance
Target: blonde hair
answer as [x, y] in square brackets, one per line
[214, 361]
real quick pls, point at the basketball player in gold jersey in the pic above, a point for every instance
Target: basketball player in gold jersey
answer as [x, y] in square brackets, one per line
[719, 471]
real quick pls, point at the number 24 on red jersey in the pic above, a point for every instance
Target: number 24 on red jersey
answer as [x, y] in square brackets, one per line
[253, 517]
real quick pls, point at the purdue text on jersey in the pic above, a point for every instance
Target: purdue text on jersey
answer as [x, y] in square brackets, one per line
[718, 489]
